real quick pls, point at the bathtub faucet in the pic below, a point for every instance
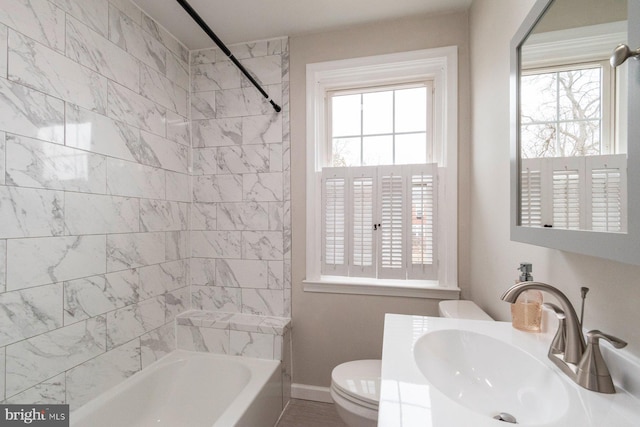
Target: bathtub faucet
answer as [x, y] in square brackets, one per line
[581, 362]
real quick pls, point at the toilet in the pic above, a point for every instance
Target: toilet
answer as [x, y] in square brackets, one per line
[355, 385]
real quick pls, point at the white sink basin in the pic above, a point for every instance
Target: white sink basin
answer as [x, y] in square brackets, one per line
[490, 376]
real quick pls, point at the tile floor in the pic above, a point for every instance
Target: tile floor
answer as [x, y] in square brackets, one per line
[307, 413]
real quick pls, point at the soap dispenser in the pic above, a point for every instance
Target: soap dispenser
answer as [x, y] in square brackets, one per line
[526, 312]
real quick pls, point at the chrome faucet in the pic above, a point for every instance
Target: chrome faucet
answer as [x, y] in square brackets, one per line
[583, 364]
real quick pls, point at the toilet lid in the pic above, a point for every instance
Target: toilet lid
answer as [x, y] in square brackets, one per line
[359, 379]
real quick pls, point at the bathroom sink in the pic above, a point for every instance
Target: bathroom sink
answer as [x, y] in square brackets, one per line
[490, 376]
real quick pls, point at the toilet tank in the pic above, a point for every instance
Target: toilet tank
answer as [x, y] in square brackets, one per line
[461, 309]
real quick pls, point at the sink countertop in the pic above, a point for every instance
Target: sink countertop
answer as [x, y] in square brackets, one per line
[407, 398]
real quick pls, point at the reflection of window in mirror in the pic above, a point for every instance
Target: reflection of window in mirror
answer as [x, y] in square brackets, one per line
[572, 121]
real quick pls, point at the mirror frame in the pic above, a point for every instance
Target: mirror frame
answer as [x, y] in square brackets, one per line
[622, 247]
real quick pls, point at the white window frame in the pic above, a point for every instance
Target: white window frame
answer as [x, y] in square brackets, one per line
[440, 66]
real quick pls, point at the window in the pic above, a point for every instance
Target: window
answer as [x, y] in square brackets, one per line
[382, 175]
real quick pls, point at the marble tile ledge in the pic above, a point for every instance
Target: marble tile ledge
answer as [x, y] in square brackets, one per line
[235, 321]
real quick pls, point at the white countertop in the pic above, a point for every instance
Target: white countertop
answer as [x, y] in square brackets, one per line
[408, 400]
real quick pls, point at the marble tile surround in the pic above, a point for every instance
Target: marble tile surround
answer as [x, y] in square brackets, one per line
[139, 180]
[94, 200]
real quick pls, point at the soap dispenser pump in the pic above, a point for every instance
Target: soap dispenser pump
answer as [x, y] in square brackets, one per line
[526, 312]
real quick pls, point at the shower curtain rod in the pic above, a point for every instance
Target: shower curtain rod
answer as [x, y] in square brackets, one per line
[187, 7]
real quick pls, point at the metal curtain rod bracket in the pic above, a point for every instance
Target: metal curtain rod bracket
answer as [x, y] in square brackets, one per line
[187, 7]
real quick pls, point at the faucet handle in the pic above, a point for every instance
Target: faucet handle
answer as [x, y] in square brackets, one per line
[559, 343]
[593, 373]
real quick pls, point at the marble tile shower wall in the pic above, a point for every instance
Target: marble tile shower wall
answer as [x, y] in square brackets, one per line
[94, 196]
[241, 222]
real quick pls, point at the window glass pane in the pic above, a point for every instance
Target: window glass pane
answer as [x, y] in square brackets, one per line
[411, 110]
[345, 152]
[377, 150]
[580, 94]
[377, 112]
[579, 138]
[538, 98]
[411, 148]
[346, 115]
[538, 141]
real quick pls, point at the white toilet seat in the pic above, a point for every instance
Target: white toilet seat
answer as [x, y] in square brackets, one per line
[355, 389]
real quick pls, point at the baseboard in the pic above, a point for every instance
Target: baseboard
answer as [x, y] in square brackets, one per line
[311, 392]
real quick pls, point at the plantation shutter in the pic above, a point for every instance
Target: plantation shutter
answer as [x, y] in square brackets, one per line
[568, 205]
[422, 222]
[531, 194]
[334, 221]
[607, 185]
[392, 195]
[362, 184]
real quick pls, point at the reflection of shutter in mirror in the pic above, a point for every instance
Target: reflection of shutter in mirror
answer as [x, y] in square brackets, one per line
[566, 199]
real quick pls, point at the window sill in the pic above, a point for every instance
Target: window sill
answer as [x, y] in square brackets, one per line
[381, 287]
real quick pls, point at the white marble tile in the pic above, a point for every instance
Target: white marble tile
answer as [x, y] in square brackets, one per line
[203, 271]
[263, 129]
[203, 216]
[3, 266]
[243, 216]
[164, 153]
[204, 56]
[44, 69]
[3, 156]
[204, 161]
[31, 113]
[161, 215]
[248, 50]
[94, 13]
[265, 302]
[53, 259]
[133, 180]
[178, 71]
[159, 279]
[215, 298]
[251, 344]
[128, 8]
[178, 186]
[157, 344]
[176, 245]
[156, 87]
[216, 76]
[164, 37]
[129, 35]
[207, 319]
[275, 275]
[51, 391]
[216, 244]
[246, 101]
[178, 129]
[132, 321]
[35, 163]
[96, 52]
[136, 110]
[210, 340]
[203, 105]
[216, 133]
[286, 302]
[274, 47]
[94, 132]
[267, 70]
[276, 213]
[241, 273]
[245, 159]
[98, 214]
[2, 373]
[275, 158]
[27, 212]
[3, 51]
[266, 245]
[96, 295]
[177, 302]
[95, 376]
[34, 360]
[134, 250]
[217, 188]
[287, 273]
[38, 19]
[263, 187]
[29, 312]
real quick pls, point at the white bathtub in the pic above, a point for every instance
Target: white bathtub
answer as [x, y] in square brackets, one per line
[189, 389]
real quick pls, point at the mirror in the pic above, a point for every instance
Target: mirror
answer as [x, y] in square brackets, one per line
[573, 149]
